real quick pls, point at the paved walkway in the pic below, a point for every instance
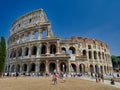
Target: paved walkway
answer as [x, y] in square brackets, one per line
[117, 84]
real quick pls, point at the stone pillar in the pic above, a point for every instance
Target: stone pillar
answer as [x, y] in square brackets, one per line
[23, 52]
[28, 68]
[32, 35]
[46, 67]
[49, 32]
[58, 47]
[29, 52]
[57, 64]
[68, 66]
[38, 49]
[39, 33]
[48, 49]
[21, 68]
[37, 67]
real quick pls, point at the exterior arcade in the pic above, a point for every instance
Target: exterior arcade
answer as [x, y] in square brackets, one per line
[33, 48]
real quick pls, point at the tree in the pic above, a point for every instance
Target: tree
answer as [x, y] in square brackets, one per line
[2, 54]
[116, 61]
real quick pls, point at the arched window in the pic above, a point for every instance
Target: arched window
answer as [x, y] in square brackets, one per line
[44, 33]
[34, 50]
[95, 55]
[26, 51]
[71, 50]
[36, 35]
[89, 46]
[63, 50]
[43, 49]
[99, 54]
[52, 49]
[20, 52]
[84, 53]
[90, 55]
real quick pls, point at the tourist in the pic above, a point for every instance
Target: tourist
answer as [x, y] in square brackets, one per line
[64, 77]
[55, 78]
[112, 82]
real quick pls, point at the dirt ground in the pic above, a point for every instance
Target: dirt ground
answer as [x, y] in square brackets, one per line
[45, 83]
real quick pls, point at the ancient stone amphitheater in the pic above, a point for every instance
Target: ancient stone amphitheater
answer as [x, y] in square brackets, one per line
[33, 48]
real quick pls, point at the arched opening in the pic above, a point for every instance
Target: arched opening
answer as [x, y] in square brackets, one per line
[32, 67]
[103, 55]
[36, 35]
[42, 67]
[20, 52]
[63, 50]
[73, 68]
[95, 55]
[89, 46]
[44, 33]
[52, 67]
[105, 69]
[43, 49]
[63, 67]
[91, 69]
[101, 69]
[9, 68]
[71, 50]
[52, 49]
[24, 67]
[18, 68]
[90, 54]
[14, 54]
[34, 50]
[12, 68]
[84, 53]
[26, 51]
[96, 69]
[82, 68]
[99, 55]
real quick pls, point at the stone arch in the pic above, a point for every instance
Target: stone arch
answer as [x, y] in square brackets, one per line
[52, 67]
[103, 55]
[96, 68]
[43, 49]
[24, 67]
[19, 52]
[34, 50]
[90, 54]
[101, 69]
[91, 68]
[8, 68]
[89, 47]
[26, 51]
[18, 68]
[63, 67]
[36, 35]
[71, 50]
[14, 54]
[32, 67]
[82, 68]
[13, 68]
[95, 55]
[52, 49]
[73, 67]
[44, 33]
[42, 67]
[84, 53]
[99, 55]
[63, 49]
[105, 69]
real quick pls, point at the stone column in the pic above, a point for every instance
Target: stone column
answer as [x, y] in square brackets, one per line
[29, 52]
[39, 33]
[58, 47]
[28, 68]
[23, 52]
[46, 67]
[48, 49]
[68, 66]
[21, 68]
[32, 35]
[58, 68]
[38, 49]
[37, 66]
[49, 32]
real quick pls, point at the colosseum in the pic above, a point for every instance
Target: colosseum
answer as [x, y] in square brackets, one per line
[32, 48]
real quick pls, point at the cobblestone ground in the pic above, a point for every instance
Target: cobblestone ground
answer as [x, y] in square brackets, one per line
[45, 83]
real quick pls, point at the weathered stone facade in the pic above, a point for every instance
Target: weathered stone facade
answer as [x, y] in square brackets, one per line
[33, 48]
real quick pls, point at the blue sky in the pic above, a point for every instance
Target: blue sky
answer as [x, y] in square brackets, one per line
[99, 19]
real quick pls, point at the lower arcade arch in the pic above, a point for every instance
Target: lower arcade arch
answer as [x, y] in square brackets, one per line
[82, 68]
[73, 68]
[91, 68]
[24, 68]
[18, 68]
[42, 67]
[52, 67]
[12, 68]
[63, 67]
[32, 67]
